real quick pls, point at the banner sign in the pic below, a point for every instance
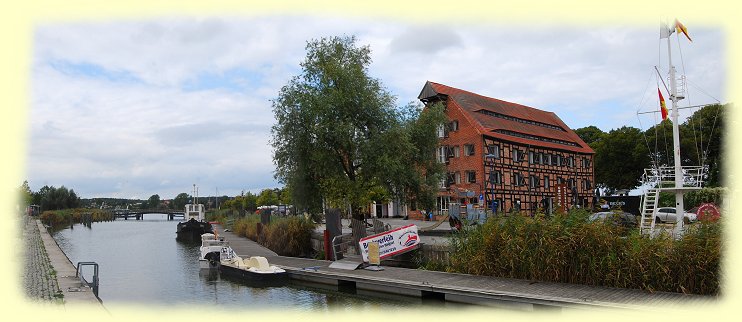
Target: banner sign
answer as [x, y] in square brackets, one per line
[393, 242]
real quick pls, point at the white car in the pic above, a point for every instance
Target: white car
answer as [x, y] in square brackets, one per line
[667, 215]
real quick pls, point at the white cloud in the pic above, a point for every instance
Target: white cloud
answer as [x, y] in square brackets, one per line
[133, 108]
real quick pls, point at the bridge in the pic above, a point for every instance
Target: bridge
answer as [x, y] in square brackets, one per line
[138, 214]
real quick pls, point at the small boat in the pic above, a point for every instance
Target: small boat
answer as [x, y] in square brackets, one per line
[213, 250]
[254, 269]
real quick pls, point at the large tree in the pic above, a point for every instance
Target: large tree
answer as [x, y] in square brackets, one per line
[338, 136]
[620, 158]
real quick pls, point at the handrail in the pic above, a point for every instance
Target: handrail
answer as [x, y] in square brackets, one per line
[334, 246]
[692, 176]
[94, 284]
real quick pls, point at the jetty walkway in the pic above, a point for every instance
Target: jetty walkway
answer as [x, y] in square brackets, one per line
[463, 288]
[48, 275]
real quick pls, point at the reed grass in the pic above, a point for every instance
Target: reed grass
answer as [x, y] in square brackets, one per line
[287, 236]
[59, 218]
[568, 249]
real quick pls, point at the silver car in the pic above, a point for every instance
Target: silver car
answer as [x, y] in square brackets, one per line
[667, 215]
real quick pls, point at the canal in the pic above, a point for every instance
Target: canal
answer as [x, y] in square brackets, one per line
[141, 263]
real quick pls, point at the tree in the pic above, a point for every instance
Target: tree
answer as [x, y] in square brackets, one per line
[267, 197]
[154, 201]
[590, 134]
[620, 158]
[328, 121]
[181, 200]
[25, 196]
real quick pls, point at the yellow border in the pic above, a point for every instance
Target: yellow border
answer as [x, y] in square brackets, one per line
[19, 19]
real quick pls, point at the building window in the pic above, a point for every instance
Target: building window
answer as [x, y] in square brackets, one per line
[442, 203]
[547, 159]
[493, 151]
[558, 160]
[453, 125]
[586, 163]
[571, 162]
[442, 155]
[441, 131]
[457, 177]
[533, 181]
[496, 177]
[456, 151]
[531, 158]
[517, 179]
[471, 176]
[468, 149]
[546, 182]
[518, 155]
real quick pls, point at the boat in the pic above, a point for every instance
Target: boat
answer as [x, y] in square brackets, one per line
[192, 229]
[194, 224]
[255, 270]
[213, 250]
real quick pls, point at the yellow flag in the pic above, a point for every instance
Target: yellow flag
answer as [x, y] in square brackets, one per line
[679, 27]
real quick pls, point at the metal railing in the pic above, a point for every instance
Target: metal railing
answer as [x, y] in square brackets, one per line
[664, 177]
[92, 284]
[335, 245]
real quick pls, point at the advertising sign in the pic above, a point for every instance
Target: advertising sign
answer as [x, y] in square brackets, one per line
[393, 242]
[562, 197]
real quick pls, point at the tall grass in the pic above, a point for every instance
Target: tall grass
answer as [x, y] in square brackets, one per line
[287, 236]
[59, 218]
[569, 249]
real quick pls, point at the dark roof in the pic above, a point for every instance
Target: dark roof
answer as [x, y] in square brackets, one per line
[508, 121]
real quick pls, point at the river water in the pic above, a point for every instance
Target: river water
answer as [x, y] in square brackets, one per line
[140, 262]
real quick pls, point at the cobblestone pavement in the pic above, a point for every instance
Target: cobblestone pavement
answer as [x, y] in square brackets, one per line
[39, 277]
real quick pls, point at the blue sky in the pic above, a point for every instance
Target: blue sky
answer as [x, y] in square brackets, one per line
[131, 108]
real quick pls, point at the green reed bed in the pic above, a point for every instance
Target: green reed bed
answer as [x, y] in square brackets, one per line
[287, 236]
[569, 249]
[59, 218]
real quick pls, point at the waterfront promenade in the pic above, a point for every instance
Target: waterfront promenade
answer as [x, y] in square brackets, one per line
[48, 275]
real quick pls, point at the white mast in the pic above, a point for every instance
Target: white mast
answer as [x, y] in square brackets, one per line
[674, 97]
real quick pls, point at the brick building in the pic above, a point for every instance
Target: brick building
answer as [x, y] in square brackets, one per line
[508, 156]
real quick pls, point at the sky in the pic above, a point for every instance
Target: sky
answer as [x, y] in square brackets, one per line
[129, 108]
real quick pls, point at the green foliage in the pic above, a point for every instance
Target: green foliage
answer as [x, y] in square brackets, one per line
[153, 202]
[25, 196]
[51, 198]
[267, 197]
[338, 136]
[590, 134]
[620, 158]
[287, 236]
[569, 249]
[180, 200]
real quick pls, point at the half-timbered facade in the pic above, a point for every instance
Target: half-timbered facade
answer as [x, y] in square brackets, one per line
[508, 156]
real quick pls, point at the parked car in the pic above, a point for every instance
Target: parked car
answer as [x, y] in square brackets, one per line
[623, 219]
[667, 215]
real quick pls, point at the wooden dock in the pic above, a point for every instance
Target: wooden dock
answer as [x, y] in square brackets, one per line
[462, 288]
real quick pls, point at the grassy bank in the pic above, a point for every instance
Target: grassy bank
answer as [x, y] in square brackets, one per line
[569, 249]
[60, 218]
[287, 236]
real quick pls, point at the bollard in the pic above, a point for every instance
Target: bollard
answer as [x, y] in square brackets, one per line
[328, 249]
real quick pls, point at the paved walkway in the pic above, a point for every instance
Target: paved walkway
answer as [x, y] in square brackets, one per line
[48, 275]
[39, 277]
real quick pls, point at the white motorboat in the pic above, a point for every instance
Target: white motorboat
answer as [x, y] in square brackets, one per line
[253, 269]
[213, 250]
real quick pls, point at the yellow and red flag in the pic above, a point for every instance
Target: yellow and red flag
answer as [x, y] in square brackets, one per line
[663, 107]
[679, 27]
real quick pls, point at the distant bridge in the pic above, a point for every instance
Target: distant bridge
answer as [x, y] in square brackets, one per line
[138, 214]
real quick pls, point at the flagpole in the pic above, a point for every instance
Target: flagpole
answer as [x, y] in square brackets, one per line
[679, 208]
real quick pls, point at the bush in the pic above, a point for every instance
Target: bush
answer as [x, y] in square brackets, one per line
[569, 249]
[287, 236]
